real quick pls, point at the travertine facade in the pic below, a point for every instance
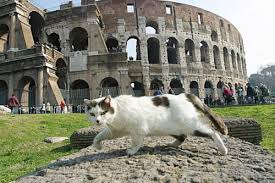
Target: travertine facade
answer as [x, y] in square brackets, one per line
[85, 51]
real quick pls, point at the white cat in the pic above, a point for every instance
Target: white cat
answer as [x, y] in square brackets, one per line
[138, 117]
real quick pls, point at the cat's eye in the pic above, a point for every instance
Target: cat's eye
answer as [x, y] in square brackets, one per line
[92, 114]
[103, 113]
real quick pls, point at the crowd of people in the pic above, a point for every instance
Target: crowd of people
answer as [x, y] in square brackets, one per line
[232, 95]
[237, 95]
[240, 95]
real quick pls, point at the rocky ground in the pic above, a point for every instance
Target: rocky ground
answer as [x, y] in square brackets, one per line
[196, 161]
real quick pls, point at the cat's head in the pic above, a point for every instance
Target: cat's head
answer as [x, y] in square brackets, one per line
[100, 111]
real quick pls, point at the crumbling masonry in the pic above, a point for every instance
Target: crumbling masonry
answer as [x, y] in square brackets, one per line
[79, 52]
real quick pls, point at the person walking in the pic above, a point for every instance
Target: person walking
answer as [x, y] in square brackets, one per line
[43, 108]
[48, 107]
[62, 106]
[12, 103]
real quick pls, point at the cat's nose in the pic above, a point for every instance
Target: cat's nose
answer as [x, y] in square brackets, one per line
[97, 121]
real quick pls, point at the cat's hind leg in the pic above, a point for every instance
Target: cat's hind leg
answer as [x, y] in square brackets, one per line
[179, 140]
[137, 141]
[209, 133]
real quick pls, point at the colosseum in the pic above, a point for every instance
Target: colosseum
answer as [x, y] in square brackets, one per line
[115, 47]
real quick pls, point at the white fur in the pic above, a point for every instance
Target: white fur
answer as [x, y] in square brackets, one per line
[139, 117]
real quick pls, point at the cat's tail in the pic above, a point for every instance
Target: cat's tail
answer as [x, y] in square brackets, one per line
[215, 119]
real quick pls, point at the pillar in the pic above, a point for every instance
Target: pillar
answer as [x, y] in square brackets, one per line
[40, 82]
[12, 36]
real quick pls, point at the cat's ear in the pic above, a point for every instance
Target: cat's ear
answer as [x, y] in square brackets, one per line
[86, 101]
[108, 100]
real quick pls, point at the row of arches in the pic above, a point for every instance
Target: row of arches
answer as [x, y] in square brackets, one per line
[153, 48]
[80, 89]
[37, 24]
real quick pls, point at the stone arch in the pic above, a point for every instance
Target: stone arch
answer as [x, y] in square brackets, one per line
[4, 37]
[133, 48]
[220, 89]
[4, 92]
[239, 62]
[112, 45]
[176, 86]
[37, 23]
[233, 58]
[156, 84]
[152, 27]
[78, 39]
[172, 50]
[138, 88]
[79, 90]
[61, 73]
[214, 36]
[226, 59]
[26, 91]
[194, 88]
[153, 51]
[189, 51]
[217, 57]
[54, 40]
[204, 50]
[109, 86]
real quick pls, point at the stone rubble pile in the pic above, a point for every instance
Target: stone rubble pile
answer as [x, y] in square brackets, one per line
[197, 160]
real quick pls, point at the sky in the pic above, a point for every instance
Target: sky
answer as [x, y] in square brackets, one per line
[255, 19]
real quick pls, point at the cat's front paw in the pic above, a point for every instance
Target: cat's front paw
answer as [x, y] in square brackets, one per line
[98, 146]
[132, 151]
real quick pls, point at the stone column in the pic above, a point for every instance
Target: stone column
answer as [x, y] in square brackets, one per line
[39, 90]
[11, 81]
[12, 35]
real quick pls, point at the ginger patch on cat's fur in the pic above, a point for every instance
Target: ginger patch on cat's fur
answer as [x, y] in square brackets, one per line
[161, 101]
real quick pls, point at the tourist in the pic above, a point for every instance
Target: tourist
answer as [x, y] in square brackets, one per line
[48, 107]
[62, 105]
[43, 108]
[13, 102]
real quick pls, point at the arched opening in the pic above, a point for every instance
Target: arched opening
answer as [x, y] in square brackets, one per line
[79, 91]
[220, 90]
[112, 45]
[233, 58]
[176, 86]
[109, 87]
[138, 89]
[27, 92]
[152, 27]
[189, 51]
[37, 24]
[156, 84]
[61, 73]
[239, 63]
[79, 39]
[194, 88]
[226, 59]
[133, 49]
[172, 50]
[217, 58]
[53, 39]
[153, 51]
[3, 93]
[214, 36]
[204, 49]
[209, 93]
[4, 38]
